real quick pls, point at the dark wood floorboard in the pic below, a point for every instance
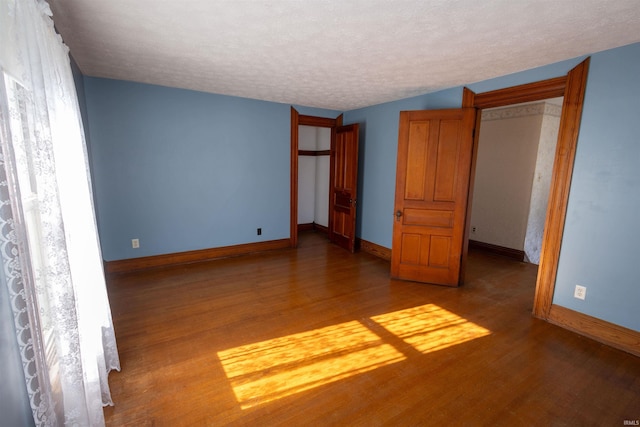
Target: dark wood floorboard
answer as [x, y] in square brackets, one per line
[178, 328]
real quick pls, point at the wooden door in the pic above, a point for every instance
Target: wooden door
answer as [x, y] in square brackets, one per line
[432, 186]
[343, 186]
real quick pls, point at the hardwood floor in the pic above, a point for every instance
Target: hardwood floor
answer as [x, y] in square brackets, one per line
[320, 336]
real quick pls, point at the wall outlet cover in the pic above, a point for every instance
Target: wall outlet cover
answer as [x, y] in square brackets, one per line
[580, 292]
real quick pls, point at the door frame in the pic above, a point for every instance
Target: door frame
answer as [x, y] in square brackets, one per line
[298, 119]
[572, 88]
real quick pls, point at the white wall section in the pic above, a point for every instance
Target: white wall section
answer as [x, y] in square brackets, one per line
[323, 141]
[505, 168]
[542, 182]
[513, 175]
[313, 176]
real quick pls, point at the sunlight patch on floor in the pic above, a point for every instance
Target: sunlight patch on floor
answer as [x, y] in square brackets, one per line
[276, 368]
[273, 369]
[430, 328]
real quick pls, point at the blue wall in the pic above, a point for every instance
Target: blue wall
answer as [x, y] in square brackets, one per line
[183, 170]
[602, 229]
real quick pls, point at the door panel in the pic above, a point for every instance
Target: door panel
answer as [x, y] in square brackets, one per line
[432, 185]
[344, 186]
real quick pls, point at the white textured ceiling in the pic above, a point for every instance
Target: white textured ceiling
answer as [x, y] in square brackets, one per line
[336, 54]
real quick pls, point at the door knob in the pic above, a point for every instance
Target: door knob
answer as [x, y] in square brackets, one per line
[398, 215]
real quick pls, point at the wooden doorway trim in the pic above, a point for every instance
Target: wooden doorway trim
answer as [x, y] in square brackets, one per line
[298, 119]
[572, 88]
[293, 196]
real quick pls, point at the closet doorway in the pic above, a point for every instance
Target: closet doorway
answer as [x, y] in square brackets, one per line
[309, 175]
[314, 153]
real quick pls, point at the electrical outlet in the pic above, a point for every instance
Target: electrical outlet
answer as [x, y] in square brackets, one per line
[135, 243]
[473, 230]
[259, 231]
[580, 292]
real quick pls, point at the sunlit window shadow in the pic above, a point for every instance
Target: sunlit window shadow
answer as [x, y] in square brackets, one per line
[272, 369]
[430, 328]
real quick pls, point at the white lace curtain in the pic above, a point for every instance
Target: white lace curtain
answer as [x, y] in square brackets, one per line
[49, 248]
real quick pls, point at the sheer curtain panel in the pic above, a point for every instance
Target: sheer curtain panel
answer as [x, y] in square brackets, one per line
[49, 246]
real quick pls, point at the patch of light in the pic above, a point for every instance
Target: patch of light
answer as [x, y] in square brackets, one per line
[269, 370]
[276, 368]
[430, 328]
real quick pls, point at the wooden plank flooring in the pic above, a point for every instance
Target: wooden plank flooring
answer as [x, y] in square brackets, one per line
[319, 336]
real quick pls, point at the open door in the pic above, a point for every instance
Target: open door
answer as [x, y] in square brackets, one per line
[432, 185]
[343, 186]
